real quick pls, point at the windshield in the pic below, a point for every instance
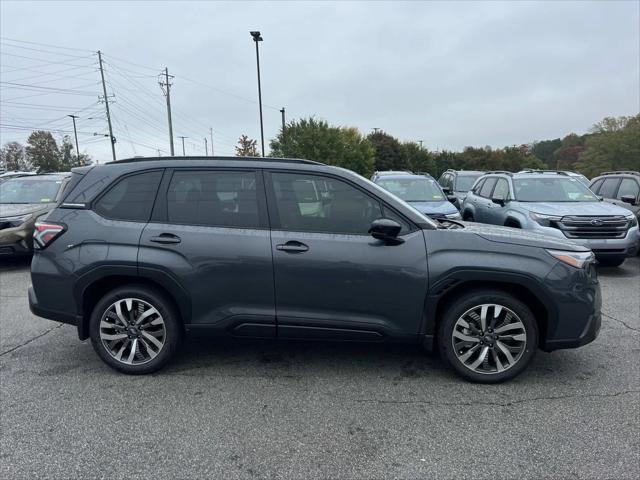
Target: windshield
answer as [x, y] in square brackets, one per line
[552, 190]
[22, 190]
[465, 182]
[413, 189]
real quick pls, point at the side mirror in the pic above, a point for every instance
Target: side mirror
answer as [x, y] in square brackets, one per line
[446, 190]
[386, 230]
[452, 198]
[499, 201]
[628, 199]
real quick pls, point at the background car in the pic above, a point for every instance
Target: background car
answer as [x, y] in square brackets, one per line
[382, 173]
[456, 184]
[557, 204]
[23, 200]
[578, 176]
[9, 175]
[421, 192]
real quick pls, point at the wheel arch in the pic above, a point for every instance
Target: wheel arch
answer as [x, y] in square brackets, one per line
[523, 288]
[91, 290]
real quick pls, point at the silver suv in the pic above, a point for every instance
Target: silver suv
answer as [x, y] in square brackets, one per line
[557, 204]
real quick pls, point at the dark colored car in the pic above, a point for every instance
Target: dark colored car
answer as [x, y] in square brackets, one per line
[24, 200]
[141, 251]
[456, 184]
[422, 192]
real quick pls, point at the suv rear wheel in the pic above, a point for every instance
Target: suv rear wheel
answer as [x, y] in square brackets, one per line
[134, 329]
[488, 336]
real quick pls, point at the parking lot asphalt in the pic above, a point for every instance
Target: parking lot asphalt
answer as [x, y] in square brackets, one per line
[307, 410]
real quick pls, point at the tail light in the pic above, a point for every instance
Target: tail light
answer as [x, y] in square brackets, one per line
[45, 233]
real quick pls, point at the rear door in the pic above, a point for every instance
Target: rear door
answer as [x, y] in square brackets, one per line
[209, 231]
[332, 279]
[483, 202]
[496, 213]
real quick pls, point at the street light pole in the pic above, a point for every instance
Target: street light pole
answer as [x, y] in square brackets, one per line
[258, 38]
[206, 149]
[75, 133]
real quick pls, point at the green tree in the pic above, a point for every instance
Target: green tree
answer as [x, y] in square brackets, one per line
[614, 144]
[246, 147]
[544, 151]
[13, 157]
[316, 140]
[419, 159]
[42, 151]
[69, 158]
[389, 154]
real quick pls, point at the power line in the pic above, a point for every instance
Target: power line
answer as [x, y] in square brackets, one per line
[45, 44]
[43, 51]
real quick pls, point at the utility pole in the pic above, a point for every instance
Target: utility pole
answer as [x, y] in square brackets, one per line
[283, 121]
[183, 154]
[206, 150]
[258, 38]
[420, 142]
[75, 133]
[211, 133]
[106, 104]
[165, 85]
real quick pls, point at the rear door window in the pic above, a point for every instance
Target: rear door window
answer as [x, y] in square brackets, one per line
[130, 199]
[501, 192]
[213, 198]
[608, 188]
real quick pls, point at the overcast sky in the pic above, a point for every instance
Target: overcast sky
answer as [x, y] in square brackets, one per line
[450, 74]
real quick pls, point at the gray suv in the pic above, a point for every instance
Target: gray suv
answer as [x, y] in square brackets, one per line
[141, 251]
[557, 204]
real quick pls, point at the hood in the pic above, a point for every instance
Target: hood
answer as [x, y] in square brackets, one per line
[516, 236]
[561, 209]
[17, 209]
[442, 207]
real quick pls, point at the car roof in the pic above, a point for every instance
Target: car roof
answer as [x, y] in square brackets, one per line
[621, 173]
[406, 175]
[40, 176]
[462, 172]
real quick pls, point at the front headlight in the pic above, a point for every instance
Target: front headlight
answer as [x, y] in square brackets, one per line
[633, 221]
[544, 220]
[454, 216]
[13, 222]
[575, 259]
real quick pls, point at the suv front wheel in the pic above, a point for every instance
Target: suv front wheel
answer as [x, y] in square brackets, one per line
[488, 336]
[134, 329]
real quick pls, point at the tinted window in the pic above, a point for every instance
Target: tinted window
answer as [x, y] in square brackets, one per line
[596, 186]
[131, 198]
[213, 198]
[608, 188]
[476, 188]
[388, 213]
[629, 186]
[501, 191]
[322, 204]
[485, 191]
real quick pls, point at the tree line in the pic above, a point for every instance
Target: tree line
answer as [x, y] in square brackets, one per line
[42, 154]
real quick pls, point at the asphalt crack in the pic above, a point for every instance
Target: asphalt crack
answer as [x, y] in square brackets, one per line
[31, 340]
[494, 404]
[621, 322]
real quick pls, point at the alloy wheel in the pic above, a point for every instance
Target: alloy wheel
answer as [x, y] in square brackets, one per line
[489, 338]
[132, 331]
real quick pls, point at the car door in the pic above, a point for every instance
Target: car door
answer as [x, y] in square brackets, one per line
[209, 231]
[332, 279]
[629, 187]
[483, 201]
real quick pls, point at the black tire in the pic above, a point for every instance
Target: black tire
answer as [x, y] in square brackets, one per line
[171, 325]
[611, 261]
[467, 302]
[468, 217]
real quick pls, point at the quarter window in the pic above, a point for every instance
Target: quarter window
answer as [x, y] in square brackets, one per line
[213, 198]
[315, 203]
[628, 187]
[131, 199]
[485, 191]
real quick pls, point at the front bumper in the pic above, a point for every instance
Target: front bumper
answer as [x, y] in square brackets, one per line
[18, 240]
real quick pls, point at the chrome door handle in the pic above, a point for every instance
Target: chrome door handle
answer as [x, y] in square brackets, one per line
[292, 246]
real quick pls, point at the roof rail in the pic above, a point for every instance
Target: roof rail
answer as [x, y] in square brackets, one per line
[497, 171]
[239, 159]
[621, 172]
[533, 170]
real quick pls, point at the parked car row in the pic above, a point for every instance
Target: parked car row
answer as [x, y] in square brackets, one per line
[139, 251]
